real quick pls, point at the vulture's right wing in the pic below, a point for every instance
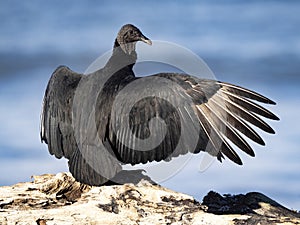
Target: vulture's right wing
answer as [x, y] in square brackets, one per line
[56, 118]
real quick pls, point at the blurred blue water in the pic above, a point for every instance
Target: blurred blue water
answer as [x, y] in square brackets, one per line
[254, 44]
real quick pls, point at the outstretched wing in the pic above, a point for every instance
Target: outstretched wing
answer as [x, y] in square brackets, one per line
[56, 118]
[166, 115]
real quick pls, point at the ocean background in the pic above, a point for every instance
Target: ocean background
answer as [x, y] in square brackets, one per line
[255, 44]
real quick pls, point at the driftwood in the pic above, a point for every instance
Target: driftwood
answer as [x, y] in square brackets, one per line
[59, 199]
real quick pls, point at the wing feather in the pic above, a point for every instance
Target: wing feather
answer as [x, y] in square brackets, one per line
[217, 138]
[56, 117]
[236, 122]
[244, 114]
[227, 130]
[249, 105]
[235, 89]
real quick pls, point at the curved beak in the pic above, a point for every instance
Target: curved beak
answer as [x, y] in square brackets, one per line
[146, 40]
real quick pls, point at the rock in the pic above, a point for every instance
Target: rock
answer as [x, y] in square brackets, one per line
[59, 199]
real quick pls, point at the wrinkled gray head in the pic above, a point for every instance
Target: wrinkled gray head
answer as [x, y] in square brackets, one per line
[128, 36]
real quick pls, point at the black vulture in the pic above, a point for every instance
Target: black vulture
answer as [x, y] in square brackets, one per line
[111, 117]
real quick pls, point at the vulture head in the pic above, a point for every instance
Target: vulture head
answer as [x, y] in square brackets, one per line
[127, 38]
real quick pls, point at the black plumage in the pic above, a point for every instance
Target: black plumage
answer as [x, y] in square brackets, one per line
[81, 121]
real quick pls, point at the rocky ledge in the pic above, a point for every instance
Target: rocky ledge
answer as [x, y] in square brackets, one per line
[59, 199]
